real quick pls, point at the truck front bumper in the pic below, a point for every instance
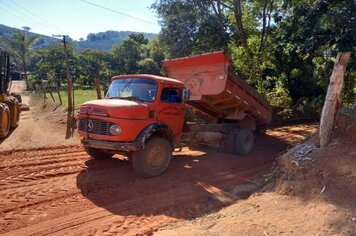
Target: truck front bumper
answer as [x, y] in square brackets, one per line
[115, 146]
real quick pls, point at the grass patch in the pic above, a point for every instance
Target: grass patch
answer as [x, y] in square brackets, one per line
[80, 96]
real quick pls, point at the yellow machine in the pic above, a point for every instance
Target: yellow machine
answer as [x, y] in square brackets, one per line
[9, 103]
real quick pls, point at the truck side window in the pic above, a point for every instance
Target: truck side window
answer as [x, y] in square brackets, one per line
[171, 95]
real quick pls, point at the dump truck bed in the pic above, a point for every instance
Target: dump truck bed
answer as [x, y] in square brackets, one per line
[215, 90]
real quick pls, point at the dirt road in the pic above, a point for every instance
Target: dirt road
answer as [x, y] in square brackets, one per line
[42, 126]
[60, 191]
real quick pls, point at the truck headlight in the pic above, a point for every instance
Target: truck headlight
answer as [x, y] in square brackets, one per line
[115, 130]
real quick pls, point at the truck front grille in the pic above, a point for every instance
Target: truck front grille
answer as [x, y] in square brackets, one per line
[94, 126]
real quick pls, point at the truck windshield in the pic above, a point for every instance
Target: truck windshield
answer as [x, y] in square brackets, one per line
[133, 88]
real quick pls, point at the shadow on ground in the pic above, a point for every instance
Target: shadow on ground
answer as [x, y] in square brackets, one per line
[195, 184]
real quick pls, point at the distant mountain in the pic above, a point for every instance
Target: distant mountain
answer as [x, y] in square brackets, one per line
[105, 40]
[101, 41]
[42, 42]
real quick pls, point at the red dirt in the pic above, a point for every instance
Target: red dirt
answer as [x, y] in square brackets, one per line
[314, 194]
[42, 126]
[60, 190]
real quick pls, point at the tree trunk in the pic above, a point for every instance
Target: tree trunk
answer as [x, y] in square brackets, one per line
[333, 97]
[241, 33]
[97, 87]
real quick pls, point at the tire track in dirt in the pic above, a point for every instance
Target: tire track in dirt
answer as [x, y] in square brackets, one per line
[45, 161]
[88, 222]
[61, 191]
[33, 198]
[22, 168]
[25, 155]
[29, 195]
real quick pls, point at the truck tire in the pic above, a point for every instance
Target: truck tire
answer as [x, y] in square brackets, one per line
[97, 153]
[154, 159]
[243, 142]
[14, 108]
[4, 120]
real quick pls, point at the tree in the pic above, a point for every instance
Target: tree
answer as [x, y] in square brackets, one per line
[333, 97]
[194, 26]
[93, 67]
[148, 66]
[20, 45]
[51, 62]
[157, 52]
[129, 52]
[325, 27]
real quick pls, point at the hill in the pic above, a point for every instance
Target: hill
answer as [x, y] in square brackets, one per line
[42, 42]
[101, 41]
[105, 40]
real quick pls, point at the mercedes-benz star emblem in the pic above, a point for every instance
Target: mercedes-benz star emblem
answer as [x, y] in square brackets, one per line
[90, 125]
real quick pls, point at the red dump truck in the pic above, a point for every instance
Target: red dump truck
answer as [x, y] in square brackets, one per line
[144, 117]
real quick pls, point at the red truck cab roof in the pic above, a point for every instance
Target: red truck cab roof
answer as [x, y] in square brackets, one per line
[155, 77]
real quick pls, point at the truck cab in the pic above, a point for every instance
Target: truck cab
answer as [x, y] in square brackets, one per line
[141, 117]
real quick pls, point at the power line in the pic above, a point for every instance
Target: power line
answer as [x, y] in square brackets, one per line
[120, 13]
[38, 17]
[22, 17]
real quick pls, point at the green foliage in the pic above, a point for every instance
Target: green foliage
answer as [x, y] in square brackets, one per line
[51, 61]
[324, 25]
[148, 66]
[34, 80]
[137, 55]
[20, 45]
[253, 66]
[128, 53]
[280, 99]
[191, 27]
[92, 64]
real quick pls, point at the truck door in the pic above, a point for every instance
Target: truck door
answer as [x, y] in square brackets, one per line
[171, 109]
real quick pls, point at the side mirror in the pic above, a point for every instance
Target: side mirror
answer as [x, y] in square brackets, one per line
[186, 94]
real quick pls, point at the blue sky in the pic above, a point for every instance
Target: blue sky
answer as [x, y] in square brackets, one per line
[78, 18]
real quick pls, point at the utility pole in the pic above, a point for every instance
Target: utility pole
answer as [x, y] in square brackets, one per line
[69, 87]
[69, 77]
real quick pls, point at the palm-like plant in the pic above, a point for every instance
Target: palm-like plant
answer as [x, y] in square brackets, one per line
[20, 46]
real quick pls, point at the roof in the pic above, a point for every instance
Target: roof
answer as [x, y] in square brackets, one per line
[156, 77]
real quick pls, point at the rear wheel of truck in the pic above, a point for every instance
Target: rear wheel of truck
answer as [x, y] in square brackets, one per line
[14, 107]
[97, 153]
[4, 120]
[154, 159]
[243, 142]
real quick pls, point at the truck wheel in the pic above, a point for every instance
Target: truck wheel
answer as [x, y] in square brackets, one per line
[244, 141]
[14, 112]
[4, 120]
[154, 159]
[97, 153]
[14, 108]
